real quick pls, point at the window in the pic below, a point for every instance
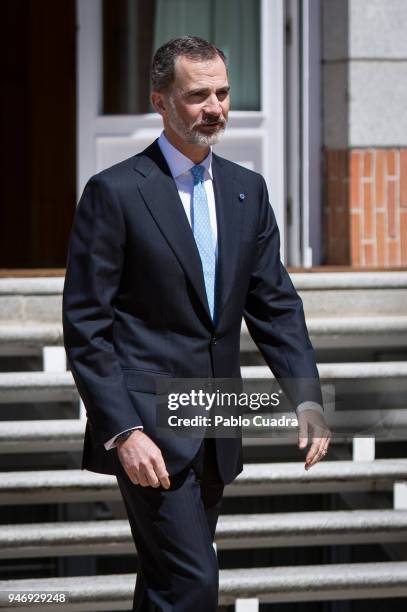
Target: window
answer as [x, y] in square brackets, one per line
[134, 29]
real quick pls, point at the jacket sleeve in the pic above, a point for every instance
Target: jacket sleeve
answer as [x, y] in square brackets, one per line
[274, 315]
[94, 265]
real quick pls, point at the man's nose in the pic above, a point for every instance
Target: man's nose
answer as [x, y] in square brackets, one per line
[213, 106]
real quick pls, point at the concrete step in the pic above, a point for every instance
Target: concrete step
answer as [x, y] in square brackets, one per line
[352, 293]
[63, 486]
[66, 435]
[28, 338]
[323, 281]
[31, 299]
[41, 436]
[40, 299]
[27, 387]
[23, 387]
[362, 370]
[348, 332]
[236, 531]
[268, 584]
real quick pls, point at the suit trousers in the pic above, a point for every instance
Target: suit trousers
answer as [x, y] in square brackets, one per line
[173, 531]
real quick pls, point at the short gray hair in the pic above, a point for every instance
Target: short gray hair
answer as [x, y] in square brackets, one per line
[192, 47]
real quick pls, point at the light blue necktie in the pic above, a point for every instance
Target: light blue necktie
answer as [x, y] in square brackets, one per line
[201, 227]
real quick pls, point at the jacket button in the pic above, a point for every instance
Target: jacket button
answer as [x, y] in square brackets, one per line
[214, 339]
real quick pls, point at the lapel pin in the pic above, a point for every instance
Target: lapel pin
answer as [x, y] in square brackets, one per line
[241, 196]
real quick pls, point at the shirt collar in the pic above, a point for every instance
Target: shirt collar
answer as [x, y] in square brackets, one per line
[177, 162]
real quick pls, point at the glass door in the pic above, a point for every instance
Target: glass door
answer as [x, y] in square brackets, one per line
[117, 39]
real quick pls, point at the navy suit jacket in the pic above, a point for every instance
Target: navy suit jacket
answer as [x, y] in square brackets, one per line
[135, 307]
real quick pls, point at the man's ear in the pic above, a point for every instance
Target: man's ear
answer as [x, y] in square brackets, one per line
[159, 103]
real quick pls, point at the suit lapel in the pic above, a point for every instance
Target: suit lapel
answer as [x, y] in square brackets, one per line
[229, 213]
[160, 194]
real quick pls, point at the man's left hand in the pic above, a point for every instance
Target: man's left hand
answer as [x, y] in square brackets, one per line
[311, 422]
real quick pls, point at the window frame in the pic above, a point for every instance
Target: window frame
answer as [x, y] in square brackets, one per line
[267, 125]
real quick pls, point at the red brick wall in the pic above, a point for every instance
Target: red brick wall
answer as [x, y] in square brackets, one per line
[365, 207]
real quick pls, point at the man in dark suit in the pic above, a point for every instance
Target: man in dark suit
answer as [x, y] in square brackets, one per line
[169, 250]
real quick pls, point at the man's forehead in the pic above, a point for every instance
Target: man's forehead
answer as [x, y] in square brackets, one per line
[192, 72]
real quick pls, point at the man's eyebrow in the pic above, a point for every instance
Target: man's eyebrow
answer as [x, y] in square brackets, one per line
[198, 90]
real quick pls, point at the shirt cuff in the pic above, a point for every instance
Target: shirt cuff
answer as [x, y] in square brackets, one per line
[111, 443]
[309, 406]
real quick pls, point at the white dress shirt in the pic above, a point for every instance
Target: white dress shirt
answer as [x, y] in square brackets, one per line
[180, 168]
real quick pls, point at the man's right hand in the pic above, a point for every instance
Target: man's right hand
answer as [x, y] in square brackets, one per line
[143, 461]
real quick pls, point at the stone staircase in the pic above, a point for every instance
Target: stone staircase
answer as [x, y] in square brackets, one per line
[358, 325]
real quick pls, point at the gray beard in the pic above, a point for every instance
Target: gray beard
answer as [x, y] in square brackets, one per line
[202, 140]
[190, 134]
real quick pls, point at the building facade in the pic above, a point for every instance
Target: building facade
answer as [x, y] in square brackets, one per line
[319, 99]
[364, 93]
